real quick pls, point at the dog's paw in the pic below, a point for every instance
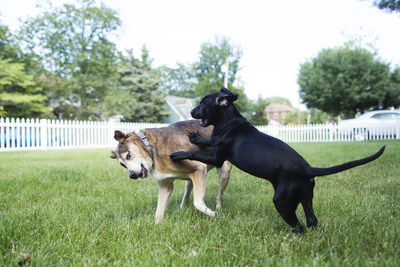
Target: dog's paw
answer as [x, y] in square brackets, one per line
[180, 155]
[299, 229]
[194, 138]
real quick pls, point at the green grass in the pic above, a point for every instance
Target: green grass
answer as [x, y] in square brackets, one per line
[80, 208]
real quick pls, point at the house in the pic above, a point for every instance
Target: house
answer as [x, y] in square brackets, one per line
[179, 108]
[277, 112]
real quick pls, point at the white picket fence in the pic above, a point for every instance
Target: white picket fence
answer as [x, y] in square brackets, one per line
[44, 134]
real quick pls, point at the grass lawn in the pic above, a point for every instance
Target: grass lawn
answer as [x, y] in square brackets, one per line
[80, 208]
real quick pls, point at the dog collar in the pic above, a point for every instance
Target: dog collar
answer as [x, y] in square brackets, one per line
[146, 143]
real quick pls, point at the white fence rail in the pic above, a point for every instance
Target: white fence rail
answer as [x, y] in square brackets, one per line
[43, 134]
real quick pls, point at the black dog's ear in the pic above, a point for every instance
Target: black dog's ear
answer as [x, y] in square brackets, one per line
[225, 91]
[120, 136]
[225, 97]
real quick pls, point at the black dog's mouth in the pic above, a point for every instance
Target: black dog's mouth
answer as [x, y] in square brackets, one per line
[204, 122]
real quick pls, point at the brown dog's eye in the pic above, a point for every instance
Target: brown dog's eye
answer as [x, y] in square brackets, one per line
[128, 157]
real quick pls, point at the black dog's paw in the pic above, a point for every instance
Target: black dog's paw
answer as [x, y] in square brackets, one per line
[180, 155]
[194, 138]
[299, 229]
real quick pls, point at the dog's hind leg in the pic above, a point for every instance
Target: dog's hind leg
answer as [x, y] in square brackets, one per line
[186, 195]
[307, 204]
[199, 178]
[165, 189]
[223, 178]
[286, 201]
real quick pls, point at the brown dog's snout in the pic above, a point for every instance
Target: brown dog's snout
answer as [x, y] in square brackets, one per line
[133, 175]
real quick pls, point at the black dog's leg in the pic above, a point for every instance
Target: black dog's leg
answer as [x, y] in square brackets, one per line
[196, 139]
[307, 204]
[286, 204]
[207, 158]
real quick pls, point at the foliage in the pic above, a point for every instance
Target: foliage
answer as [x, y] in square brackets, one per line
[209, 74]
[19, 94]
[388, 5]
[206, 75]
[179, 81]
[278, 99]
[137, 96]
[312, 116]
[80, 208]
[347, 80]
[9, 48]
[73, 44]
[209, 69]
[259, 115]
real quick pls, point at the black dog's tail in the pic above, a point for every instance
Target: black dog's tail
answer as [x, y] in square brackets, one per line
[338, 168]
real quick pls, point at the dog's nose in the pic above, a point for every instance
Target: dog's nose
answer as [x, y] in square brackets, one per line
[133, 175]
[194, 113]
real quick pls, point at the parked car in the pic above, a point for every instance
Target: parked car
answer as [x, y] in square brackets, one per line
[376, 124]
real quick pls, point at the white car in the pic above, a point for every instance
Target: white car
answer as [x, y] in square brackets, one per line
[379, 124]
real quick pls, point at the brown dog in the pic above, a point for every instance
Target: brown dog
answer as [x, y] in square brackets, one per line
[148, 151]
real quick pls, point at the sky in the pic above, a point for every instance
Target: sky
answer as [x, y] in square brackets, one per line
[276, 37]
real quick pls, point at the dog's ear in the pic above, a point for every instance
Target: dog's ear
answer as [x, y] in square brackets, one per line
[225, 91]
[120, 136]
[113, 154]
[225, 97]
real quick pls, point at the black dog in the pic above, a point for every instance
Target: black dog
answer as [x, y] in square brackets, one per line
[264, 156]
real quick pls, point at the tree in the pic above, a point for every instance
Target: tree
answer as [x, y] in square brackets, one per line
[388, 5]
[179, 81]
[347, 80]
[209, 73]
[137, 96]
[73, 43]
[19, 94]
[258, 116]
[312, 116]
[9, 48]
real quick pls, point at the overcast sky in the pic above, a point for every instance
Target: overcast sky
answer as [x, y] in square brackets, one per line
[275, 36]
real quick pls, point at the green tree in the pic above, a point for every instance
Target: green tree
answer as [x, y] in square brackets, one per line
[258, 115]
[179, 81]
[278, 99]
[73, 43]
[9, 48]
[19, 94]
[138, 96]
[388, 5]
[347, 80]
[313, 116]
[209, 74]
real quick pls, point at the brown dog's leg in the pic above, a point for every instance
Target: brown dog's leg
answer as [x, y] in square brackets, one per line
[165, 189]
[199, 178]
[223, 177]
[186, 195]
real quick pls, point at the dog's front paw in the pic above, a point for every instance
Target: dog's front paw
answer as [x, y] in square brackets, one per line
[194, 138]
[180, 155]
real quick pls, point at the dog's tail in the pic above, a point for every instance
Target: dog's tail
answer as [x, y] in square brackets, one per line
[338, 168]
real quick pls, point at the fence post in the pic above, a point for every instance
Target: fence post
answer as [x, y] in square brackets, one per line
[43, 134]
[398, 129]
[330, 132]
